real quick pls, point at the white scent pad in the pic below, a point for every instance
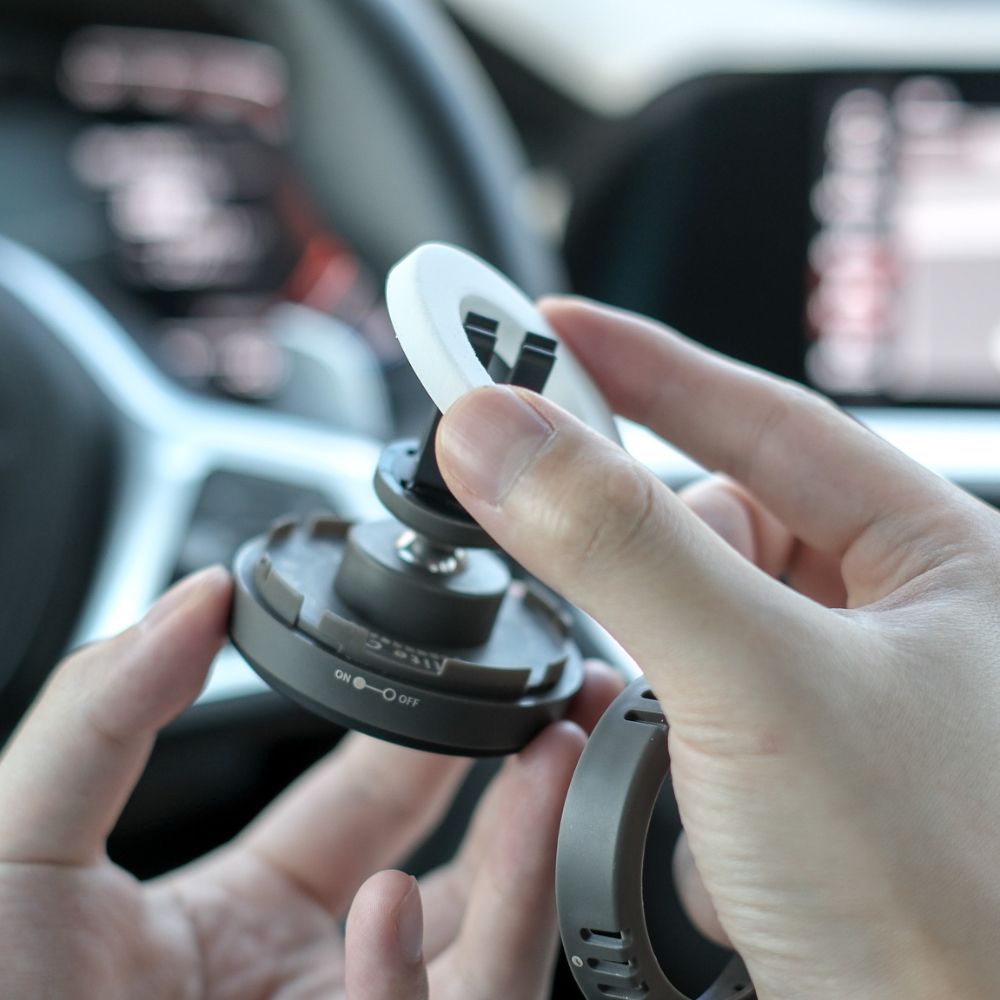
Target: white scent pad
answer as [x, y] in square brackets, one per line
[429, 293]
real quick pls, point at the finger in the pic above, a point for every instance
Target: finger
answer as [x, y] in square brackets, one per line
[823, 475]
[602, 684]
[68, 770]
[363, 808]
[694, 896]
[599, 528]
[446, 890]
[384, 941]
[506, 946]
[735, 515]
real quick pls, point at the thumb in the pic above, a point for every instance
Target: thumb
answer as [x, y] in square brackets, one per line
[599, 528]
[384, 940]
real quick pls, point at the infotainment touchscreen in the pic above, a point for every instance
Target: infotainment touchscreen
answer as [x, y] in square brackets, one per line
[903, 300]
[837, 228]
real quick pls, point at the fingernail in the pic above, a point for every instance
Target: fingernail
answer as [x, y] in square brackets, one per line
[489, 438]
[410, 924]
[180, 593]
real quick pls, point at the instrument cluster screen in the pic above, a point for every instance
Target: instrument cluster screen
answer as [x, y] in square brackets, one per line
[904, 270]
[156, 167]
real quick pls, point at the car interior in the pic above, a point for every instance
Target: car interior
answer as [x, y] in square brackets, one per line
[199, 203]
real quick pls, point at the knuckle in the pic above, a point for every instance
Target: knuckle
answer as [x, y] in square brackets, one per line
[790, 411]
[610, 516]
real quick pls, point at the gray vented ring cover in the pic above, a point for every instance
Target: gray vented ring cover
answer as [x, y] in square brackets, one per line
[602, 841]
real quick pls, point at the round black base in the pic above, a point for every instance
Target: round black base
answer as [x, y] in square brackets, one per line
[492, 700]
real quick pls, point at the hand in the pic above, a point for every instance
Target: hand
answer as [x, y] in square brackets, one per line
[260, 918]
[832, 684]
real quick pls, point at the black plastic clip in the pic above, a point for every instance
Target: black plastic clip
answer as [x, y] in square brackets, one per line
[530, 371]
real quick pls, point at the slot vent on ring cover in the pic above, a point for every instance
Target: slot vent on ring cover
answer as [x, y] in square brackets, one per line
[606, 939]
[647, 718]
[624, 970]
[624, 992]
